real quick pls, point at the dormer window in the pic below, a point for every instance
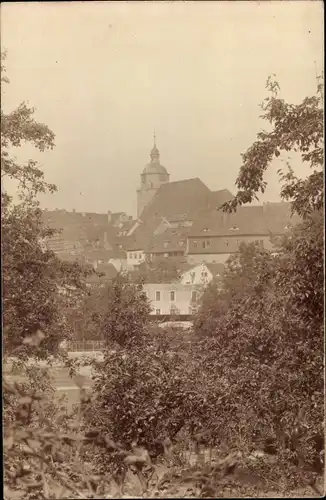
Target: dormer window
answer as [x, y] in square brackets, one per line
[205, 230]
[234, 228]
[166, 244]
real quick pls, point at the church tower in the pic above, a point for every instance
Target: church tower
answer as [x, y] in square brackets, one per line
[152, 177]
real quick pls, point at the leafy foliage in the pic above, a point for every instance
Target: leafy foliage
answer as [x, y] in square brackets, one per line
[158, 271]
[267, 322]
[294, 127]
[127, 312]
[36, 283]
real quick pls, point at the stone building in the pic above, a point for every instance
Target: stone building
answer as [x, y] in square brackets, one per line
[153, 177]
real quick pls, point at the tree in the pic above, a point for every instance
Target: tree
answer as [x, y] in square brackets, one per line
[269, 335]
[159, 271]
[36, 283]
[127, 312]
[297, 127]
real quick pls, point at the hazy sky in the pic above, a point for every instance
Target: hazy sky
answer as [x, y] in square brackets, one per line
[102, 75]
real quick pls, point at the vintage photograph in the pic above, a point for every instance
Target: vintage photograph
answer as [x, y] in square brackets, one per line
[162, 242]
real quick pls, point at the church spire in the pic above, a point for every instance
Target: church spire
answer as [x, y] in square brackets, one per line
[155, 154]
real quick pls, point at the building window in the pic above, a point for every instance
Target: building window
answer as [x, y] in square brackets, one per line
[135, 256]
[204, 274]
[195, 244]
[158, 312]
[206, 244]
[194, 295]
[227, 243]
[139, 256]
[158, 295]
[172, 296]
[261, 243]
[130, 256]
[166, 255]
[166, 244]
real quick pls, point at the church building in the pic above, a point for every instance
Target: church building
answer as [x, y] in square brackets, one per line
[152, 178]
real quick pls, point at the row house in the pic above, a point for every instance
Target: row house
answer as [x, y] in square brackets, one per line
[216, 235]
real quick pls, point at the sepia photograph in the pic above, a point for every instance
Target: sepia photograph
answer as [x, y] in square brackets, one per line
[162, 249]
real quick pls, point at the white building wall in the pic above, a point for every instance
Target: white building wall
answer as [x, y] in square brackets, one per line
[134, 258]
[159, 296]
[197, 275]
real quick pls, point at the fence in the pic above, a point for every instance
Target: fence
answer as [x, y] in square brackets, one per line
[85, 345]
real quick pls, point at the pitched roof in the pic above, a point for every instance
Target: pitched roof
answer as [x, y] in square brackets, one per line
[176, 198]
[217, 198]
[217, 269]
[278, 217]
[247, 220]
[171, 240]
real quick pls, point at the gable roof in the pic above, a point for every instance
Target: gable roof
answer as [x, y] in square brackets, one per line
[217, 269]
[260, 220]
[171, 240]
[176, 198]
[217, 198]
[245, 221]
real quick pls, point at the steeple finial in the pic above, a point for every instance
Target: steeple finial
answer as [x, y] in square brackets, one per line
[154, 135]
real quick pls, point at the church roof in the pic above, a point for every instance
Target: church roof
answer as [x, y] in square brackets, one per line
[180, 197]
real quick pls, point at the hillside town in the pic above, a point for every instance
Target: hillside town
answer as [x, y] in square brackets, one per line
[163, 297]
[179, 225]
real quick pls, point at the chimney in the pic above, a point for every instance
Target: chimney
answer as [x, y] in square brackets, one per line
[109, 216]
